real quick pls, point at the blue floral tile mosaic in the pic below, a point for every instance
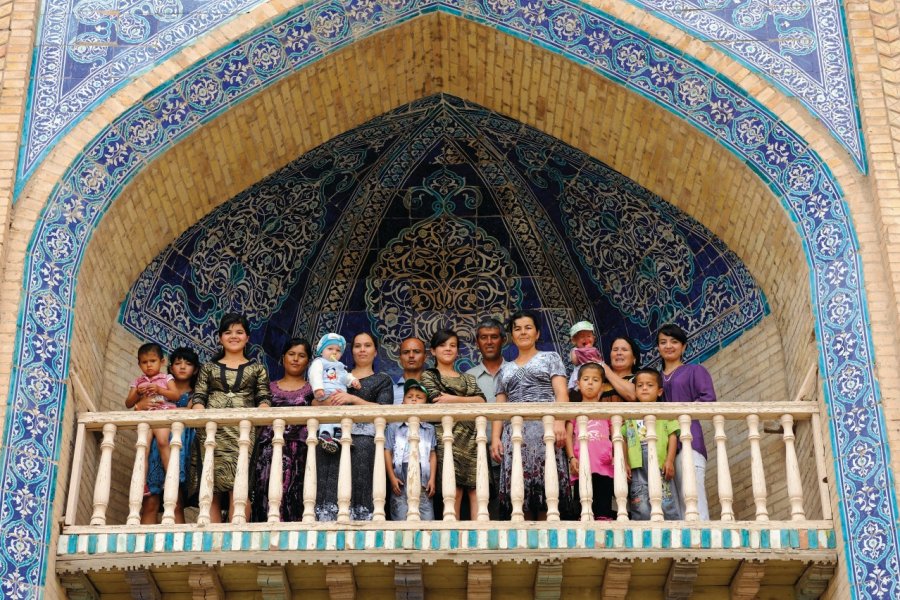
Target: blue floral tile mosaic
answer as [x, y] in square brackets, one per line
[867, 506]
[87, 49]
[453, 213]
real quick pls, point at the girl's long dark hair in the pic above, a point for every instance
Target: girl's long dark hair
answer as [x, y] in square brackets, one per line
[227, 321]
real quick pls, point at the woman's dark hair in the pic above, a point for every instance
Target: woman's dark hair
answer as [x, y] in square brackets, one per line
[442, 335]
[521, 314]
[296, 341]
[673, 331]
[188, 355]
[230, 319]
[635, 350]
[371, 336]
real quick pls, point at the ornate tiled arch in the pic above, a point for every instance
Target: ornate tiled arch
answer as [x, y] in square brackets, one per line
[89, 48]
[795, 173]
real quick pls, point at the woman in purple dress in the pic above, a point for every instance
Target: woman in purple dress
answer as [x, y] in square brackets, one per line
[290, 390]
[686, 383]
[534, 376]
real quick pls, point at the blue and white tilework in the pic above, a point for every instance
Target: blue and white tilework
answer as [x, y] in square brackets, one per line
[445, 213]
[89, 48]
[809, 193]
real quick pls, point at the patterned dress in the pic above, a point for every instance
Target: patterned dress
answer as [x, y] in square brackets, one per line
[376, 388]
[465, 447]
[219, 386]
[293, 460]
[531, 383]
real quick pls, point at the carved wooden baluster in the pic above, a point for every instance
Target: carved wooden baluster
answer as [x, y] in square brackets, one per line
[482, 470]
[551, 475]
[688, 474]
[654, 481]
[173, 474]
[585, 487]
[208, 475]
[276, 472]
[413, 472]
[75, 479]
[242, 475]
[104, 475]
[309, 472]
[138, 475]
[757, 473]
[379, 485]
[723, 471]
[620, 480]
[792, 470]
[448, 472]
[345, 476]
[517, 479]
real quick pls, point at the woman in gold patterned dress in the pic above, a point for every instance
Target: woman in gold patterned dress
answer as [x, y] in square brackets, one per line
[231, 380]
[446, 385]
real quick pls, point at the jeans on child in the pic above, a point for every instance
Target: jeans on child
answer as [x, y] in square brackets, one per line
[700, 477]
[399, 505]
[639, 495]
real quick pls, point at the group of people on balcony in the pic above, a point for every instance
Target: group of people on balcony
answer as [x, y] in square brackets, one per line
[316, 377]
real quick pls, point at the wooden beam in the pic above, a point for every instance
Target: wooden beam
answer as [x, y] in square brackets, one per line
[814, 581]
[616, 580]
[680, 581]
[548, 583]
[408, 582]
[341, 582]
[746, 581]
[205, 583]
[78, 586]
[143, 585]
[273, 583]
[479, 581]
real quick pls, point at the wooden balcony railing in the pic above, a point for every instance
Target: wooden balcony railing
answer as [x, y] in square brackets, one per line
[110, 423]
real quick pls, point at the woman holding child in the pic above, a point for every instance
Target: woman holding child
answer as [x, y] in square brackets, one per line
[375, 388]
[289, 391]
[534, 376]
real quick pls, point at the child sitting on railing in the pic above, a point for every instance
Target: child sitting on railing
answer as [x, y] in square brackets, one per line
[159, 390]
[327, 375]
[396, 458]
[648, 388]
[590, 383]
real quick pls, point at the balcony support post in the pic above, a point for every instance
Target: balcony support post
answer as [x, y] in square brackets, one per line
[138, 475]
[654, 479]
[757, 472]
[482, 470]
[792, 470]
[173, 474]
[548, 582]
[75, 479]
[273, 583]
[616, 580]
[345, 475]
[688, 474]
[680, 580]
[205, 583]
[517, 479]
[585, 486]
[413, 473]
[620, 480]
[276, 472]
[479, 581]
[821, 471]
[746, 581]
[208, 475]
[309, 471]
[104, 475]
[242, 475]
[448, 471]
[723, 471]
[143, 585]
[551, 475]
[408, 580]
[78, 586]
[379, 482]
[814, 581]
[341, 582]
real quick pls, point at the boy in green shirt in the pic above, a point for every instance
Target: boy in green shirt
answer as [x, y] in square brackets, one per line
[648, 388]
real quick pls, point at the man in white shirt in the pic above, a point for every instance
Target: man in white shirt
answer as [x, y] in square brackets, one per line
[412, 361]
[490, 337]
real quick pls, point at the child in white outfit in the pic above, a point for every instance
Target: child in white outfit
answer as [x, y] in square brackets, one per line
[327, 375]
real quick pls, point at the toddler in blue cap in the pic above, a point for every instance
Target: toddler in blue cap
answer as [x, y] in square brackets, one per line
[327, 375]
